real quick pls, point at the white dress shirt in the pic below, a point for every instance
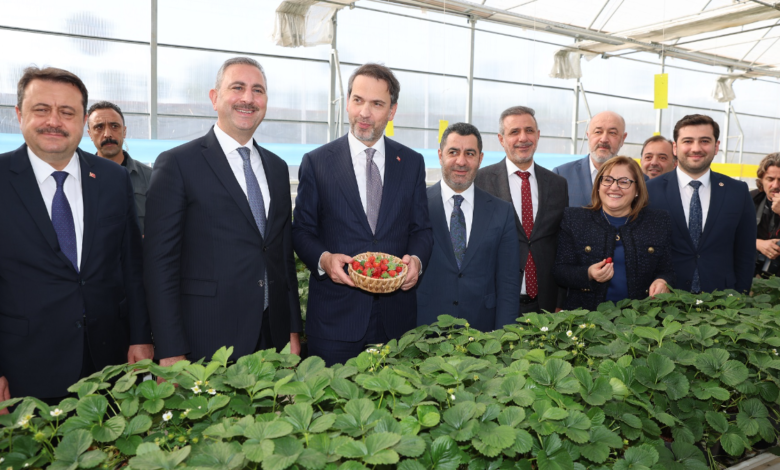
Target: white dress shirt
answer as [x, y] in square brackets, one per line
[593, 170]
[72, 189]
[357, 151]
[467, 205]
[516, 190]
[230, 147]
[686, 194]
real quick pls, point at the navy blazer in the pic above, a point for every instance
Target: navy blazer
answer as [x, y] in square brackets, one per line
[205, 256]
[329, 216]
[727, 247]
[44, 301]
[577, 174]
[485, 290]
[586, 238]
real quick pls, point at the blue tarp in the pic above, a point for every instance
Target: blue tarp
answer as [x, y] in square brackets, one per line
[147, 151]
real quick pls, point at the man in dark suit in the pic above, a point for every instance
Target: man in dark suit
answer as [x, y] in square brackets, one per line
[220, 269]
[71, 293]
[606, 134]
[362, 192]
[714, 226]
[539, 197]
[473, 271]
[106, 127]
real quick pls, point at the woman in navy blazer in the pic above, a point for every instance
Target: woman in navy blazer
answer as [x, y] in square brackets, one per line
[615, 248]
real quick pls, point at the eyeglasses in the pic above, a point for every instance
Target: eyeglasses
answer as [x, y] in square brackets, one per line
[622, 183]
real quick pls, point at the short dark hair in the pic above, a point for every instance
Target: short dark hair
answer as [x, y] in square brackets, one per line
[657, 138]
[380, 72]
[516, 111]
[773, 159]
[464, 129]
[49, 74]
[696, 120]
[241, 60]
[105, 105]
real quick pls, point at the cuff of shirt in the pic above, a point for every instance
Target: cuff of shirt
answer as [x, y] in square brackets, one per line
[419, 261]
[319, 264]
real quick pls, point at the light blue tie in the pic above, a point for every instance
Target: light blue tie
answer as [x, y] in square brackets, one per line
[694, 228]
[458, 229]
[257, 205]
[62, 219]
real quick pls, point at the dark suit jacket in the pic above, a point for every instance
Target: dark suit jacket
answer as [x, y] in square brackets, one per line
[577, 174]
[553, 198]
[329, 216]
[205, 257]
[727, 247]
[586, 238]
[485, 290]
[140, 175]
[44, 301]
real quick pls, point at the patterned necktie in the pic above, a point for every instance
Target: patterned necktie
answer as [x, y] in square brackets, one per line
[458, 229]
[531, 286]
[62, 219]
[694, 228]
[373, 189]
[257, 204]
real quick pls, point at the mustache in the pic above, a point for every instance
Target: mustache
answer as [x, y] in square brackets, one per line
[246, 107]
[603, 146]
[109, 140]
[52, 130]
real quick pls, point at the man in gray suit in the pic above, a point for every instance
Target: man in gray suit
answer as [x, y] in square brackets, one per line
[538, 196]
[606, 134]
[107, 129]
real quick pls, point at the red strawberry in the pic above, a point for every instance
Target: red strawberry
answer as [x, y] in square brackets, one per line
[355, 265]
[399, 268]
[384, 261]
[609, 260]
[383, 267]
[371, 259]
[391, 273]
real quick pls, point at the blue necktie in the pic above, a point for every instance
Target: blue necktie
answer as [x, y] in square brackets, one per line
[62, 219]
[458, 229]
[257, 205]
[694, 228]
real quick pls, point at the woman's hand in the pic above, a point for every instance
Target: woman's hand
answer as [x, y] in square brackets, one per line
[658, 287]
[601, 271]
[768, 248]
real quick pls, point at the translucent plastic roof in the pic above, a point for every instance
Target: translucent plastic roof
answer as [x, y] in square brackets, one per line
[744, 34]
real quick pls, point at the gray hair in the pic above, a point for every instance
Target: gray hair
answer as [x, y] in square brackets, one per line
[238, 61]
[515, 111]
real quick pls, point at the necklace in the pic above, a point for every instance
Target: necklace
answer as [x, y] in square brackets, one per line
[617, 235]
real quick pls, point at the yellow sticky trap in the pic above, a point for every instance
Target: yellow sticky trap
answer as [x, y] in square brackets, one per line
[389, 130]
[442, 127]
[656, 133]
[661, 100]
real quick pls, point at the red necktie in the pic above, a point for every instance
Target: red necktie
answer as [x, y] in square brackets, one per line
[531, 287]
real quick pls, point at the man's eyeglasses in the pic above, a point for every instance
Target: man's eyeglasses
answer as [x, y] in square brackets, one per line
[622, 183]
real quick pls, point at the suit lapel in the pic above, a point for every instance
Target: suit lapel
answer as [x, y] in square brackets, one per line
[274, 190]
[90, 193]
[483, 212]
[26, 186]
[542, 184]
[674, 203]
[393, 175]
[587, 188]
[439, 223]
[342, 162]
[501, 180]
[217, 160]
[717, 197]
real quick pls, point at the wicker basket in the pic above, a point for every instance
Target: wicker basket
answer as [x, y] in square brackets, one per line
[377, 286]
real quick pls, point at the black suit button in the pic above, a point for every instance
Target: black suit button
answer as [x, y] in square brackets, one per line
[376, 242]
[265, 248]
[455, 303]
[460, 275]
[698, 256]
[260, 283]
[81, 281]
[78, 324]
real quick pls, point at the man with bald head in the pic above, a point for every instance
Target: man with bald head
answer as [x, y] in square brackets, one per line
[606, 134]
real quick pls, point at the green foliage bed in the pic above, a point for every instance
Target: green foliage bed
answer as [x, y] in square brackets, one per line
[673, 383]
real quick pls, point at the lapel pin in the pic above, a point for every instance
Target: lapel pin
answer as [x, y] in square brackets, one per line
[398, 158]
[91, 175]
[721, 184]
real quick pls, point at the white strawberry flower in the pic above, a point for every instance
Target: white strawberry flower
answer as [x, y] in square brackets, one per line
[699, 301]
[452, 397]
[55, 412]
[196, 389]
[167, 416]
[544, 328]
[211, 391]
[569, 333]
[574, 338]
[584, 325]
